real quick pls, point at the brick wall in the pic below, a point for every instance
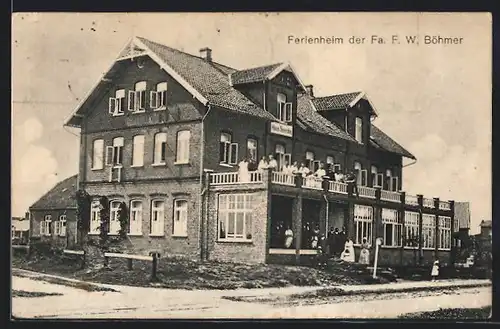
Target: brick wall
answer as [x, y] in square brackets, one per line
[67, 241]
[168, 191]
[254, 251]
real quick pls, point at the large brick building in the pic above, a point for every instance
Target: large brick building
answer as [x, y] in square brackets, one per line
[164, 131]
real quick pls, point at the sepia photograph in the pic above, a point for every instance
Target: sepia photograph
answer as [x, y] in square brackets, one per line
[251, 166]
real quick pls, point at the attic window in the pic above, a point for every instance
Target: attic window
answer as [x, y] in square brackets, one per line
[117, 104]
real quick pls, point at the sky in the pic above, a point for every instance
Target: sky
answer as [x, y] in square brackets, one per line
[434, 99]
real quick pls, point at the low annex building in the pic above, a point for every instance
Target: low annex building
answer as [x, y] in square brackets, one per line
[164, 131]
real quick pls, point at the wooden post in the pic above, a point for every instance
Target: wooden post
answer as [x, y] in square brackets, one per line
[454, 247]
[82, 262]
[378, 226]
[401, 215]
[420, 199]
[129, 264]
[267, 180]
[437, 239]
[154, 267]
[106, 261]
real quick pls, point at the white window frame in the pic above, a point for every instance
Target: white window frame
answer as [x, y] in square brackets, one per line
[114, 153]
[310, 160]
[160, 148]
[158, 97]
[180, 218]
[284, 108]
[330, 160]
[357, 170]
[137, 98]
[98, 154]
[183, 144]
[231, 209]
[390, 217]
[138, 151]
[95, 217]
[62, 225]
[229, 156]
[444, 231]
[363, 223]
[411, 227]
[281, 156]
[358, 131]
[428, 231]
[252, 149]
[388, 178]
[114, 222]
[135, 217]
[157, 220]
[376, 180]
[394, 184]
[47, 220]
[116, 104]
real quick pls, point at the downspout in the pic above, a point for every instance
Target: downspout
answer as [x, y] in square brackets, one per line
[203, 229]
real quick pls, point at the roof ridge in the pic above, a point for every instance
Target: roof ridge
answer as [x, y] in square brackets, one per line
[183, 52]
[258, 67]
[342, 94]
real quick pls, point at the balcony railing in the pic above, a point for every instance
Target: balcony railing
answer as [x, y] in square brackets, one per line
[390, 196]
[367, 192]
[428, 203]
[411, 200]
[227, 178]
[283, 179]
[312, 182]
[444, 205]
[337, 187]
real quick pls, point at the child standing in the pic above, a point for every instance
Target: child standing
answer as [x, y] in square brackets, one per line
[435, 271]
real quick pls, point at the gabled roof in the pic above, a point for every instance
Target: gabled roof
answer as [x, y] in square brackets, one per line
[335, 102]
[381, 140]
[253, 74]
[61, 196]
[311, 120]
[206, 81]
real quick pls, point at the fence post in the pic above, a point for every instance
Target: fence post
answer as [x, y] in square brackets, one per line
[106, 261]
[129, 264]
[154, 266]
[82, 263]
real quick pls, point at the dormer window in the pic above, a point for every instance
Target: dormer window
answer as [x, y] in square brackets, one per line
[284, 109]
[358, 133]
[158, 98]
[137, 98]
[117, 104]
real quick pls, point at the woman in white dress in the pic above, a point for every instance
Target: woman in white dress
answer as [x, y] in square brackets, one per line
[364, 255]
[263, 164]
[288, 237]
[348, 253]
[243, 171]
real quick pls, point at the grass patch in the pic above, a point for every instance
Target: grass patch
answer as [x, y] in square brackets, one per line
[181, 273]
[31, 294]
[482, 313]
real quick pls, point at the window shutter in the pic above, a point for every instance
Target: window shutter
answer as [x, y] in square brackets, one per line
[222, 148]
[380, 179]
[394, 184]
[142, 99]
[233, 153]
[131, 100]
[163, 98]
[288, 112]
[109, 155]
[112, 105]
[153, 99]
[364, 180]
[42, 228]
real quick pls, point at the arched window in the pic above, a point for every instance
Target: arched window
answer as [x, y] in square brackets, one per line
[252, 154]
[98, 154]
[183, 138]
[138, 151]
[114, 222]
[157, 223]
[135, 218]
[160, 149]
[137, 97]
[310, 160]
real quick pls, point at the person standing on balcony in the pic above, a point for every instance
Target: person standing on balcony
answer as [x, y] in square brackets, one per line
[304, 170]
[339, 177]
[287, 169]
[243, 171]
[294, 168]
[321, 171]
[273, 164]
[263, 164]
[331, 172]
[351, 180]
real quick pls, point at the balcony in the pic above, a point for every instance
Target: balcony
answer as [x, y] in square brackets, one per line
[321, 184]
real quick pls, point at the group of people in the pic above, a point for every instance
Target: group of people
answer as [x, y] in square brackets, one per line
[337, 244]
[269, 162]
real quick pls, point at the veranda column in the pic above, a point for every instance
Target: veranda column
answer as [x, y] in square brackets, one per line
[454, 247]
[437, 239]
[267, 181]
[378, 226]
[297, 218]
[401, 218]
[349, 213]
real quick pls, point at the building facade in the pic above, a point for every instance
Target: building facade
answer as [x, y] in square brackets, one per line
[53, 216]
[164, 131]
[20, 228]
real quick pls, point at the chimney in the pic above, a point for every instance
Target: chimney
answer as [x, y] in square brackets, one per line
[309, 90]
[206, 54]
